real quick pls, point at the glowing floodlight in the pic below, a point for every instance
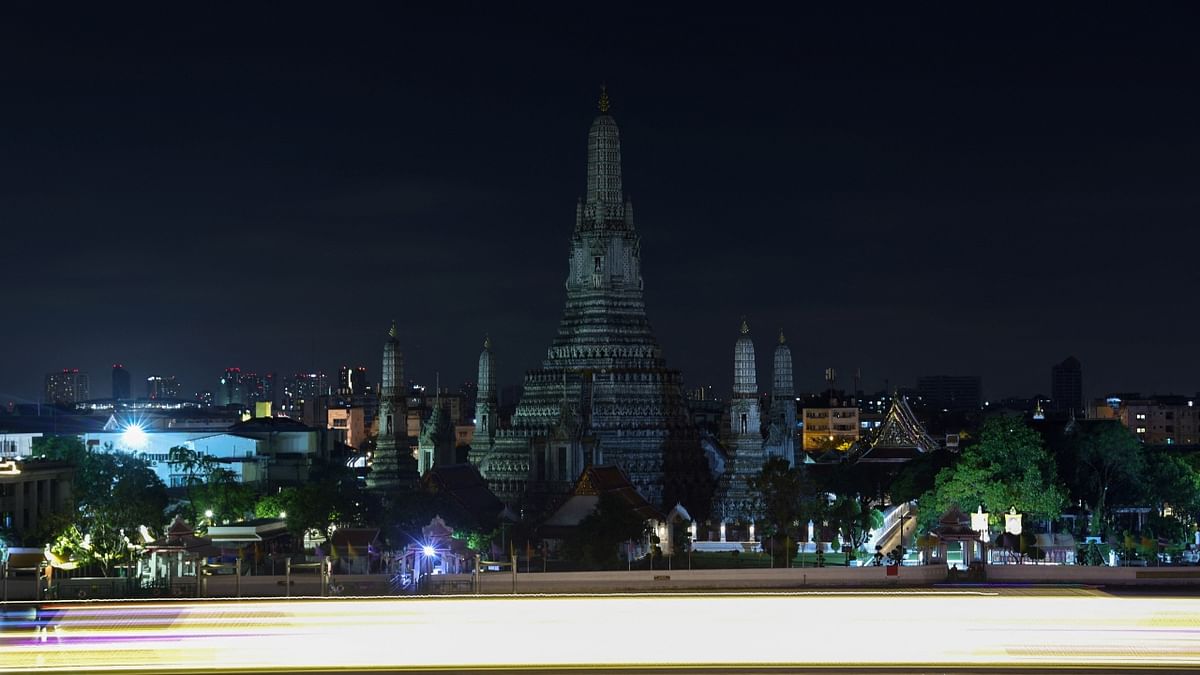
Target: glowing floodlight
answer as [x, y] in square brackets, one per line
[208, 513]
[134, 436]
[428, 550]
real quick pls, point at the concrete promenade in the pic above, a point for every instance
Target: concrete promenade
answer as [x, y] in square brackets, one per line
[657, 581]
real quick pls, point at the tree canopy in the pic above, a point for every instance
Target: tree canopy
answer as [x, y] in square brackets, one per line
[114, 493]
[598, 538]
[1007, 468]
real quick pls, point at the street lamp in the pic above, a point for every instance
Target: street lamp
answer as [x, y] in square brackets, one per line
[1012, 521]
[979, 523]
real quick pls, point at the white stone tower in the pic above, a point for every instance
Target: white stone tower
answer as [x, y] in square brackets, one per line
[745, 441]
[745, 416]
[487, 405]
[781, 434]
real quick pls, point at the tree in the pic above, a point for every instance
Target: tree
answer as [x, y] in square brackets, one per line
[858, 489]
[210, 485]
[1007, 468]
[598, 538]
[1172, 488]
[116, 493]
[855, 520]
[1108, 464]
[786, 498]
[918, 476]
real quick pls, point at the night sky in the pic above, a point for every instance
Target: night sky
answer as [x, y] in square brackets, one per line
[965, 192]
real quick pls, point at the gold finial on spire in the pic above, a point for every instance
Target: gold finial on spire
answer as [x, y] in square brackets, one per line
[745, 327]
[782, 339]
[487, 342]
[603, 105]
[392, 331]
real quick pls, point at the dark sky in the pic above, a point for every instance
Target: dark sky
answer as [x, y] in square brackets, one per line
[975, 190]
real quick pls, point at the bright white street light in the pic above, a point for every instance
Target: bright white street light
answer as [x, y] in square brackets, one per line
[428, 550]
[283, 514]
[208, 513]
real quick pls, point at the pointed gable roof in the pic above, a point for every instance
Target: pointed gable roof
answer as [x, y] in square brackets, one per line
[901, 438]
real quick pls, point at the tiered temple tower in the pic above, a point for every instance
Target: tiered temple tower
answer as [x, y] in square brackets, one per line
[436, 444]
[745, 441]
[604, 394]
[393, 466]
[487, 406]
[781, 434]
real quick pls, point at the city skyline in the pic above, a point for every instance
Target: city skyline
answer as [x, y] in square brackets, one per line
[980, 228]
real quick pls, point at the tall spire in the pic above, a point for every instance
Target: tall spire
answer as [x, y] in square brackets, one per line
[782, 385]
[604, 197]
[486, 403]
[745, 379]
[393, 465]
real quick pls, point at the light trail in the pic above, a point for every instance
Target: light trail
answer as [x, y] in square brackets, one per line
[847, 630]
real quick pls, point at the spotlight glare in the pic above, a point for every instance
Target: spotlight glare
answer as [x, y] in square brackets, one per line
[134, 436]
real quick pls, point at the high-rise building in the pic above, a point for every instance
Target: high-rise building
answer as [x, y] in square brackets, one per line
[352, 381]
[68, 387]
[229, 389]
[1066, 387]
[604, 393]
[1156, 420]
[257, 388]
[121, 389]
[957, 393]
[162, 387]
[832, 426]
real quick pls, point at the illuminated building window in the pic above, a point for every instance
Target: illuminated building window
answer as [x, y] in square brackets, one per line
[1141, 430]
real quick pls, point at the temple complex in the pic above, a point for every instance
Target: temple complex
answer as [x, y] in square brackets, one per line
[603, 394]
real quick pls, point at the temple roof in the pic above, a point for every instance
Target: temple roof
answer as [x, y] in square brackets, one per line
[901, 437]
[463, 484]
[595, 481]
